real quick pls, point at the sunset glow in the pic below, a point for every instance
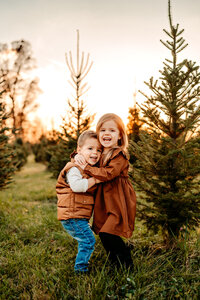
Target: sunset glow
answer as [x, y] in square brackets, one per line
[122, 37]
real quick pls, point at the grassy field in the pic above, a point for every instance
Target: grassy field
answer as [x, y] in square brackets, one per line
[37, 256]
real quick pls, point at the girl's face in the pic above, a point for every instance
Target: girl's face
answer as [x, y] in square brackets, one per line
[109, 135]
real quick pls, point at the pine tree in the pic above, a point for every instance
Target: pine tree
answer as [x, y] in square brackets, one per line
[6, 166]
[77, 119]
[168, 154]
[134, 121]
[134, 127]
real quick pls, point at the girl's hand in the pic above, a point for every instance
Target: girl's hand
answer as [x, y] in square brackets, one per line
[81, 165]
[80, 159]
[97, 181]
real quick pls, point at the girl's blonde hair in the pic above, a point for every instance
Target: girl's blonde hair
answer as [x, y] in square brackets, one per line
[123, 141]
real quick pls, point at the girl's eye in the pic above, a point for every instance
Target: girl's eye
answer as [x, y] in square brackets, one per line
[90, 148]
[102, 130]
[99, 150]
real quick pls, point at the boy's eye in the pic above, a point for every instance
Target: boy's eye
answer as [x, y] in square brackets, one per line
[99, 150]
[90, 148]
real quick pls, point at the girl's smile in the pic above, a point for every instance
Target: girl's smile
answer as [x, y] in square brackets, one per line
[109, 134]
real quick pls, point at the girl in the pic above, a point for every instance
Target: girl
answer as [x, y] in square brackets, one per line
[115, 201]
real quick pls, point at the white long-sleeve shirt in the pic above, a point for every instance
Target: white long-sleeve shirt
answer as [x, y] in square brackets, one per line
[77, 183]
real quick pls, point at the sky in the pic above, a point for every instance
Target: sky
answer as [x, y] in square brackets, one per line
[122, 38]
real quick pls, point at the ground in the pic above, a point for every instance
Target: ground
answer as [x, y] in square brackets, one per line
[37, 256]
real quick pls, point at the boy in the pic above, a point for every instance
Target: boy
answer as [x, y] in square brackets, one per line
[75, 193]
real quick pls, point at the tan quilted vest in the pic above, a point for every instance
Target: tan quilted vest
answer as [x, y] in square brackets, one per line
[73, 205]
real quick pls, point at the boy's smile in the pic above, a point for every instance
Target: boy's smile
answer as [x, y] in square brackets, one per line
[91, 151]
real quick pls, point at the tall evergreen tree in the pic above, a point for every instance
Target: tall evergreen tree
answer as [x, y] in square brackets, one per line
[77, 119]
[168, 154]
[6, 166]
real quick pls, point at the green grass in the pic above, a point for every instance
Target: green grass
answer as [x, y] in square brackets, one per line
[37, 256]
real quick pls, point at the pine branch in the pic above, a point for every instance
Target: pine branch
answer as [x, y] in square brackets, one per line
[180, 32]
[168, 33]
[182, 48]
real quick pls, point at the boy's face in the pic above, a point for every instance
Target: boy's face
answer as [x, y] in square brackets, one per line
[91, 150]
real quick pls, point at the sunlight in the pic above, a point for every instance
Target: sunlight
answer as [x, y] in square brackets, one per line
[53, 100]
[110, 93]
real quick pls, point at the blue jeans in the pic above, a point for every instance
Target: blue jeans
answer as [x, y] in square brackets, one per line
[80, 230]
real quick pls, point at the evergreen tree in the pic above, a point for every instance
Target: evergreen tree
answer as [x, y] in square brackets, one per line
[168, 154]
[77, 119]
[6, 166]
[20, 153]
[134, 127]
[42, 148]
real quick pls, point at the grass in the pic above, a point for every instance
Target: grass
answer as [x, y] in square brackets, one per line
[37, 256]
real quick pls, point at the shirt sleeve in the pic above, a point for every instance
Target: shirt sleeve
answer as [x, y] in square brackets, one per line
[77, 183]
[109, 172]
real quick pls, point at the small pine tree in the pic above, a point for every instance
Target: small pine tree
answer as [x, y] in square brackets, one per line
[6, 166]
[20, 153]
[168, 153]
[77, 119]
[42, 148]
[134, 127]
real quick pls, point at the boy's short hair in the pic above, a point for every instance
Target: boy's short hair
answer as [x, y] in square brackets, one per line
[87, 134]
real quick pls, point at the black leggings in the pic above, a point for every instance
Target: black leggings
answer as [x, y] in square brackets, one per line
[119, 253]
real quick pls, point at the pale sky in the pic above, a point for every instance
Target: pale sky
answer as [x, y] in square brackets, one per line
[122, 37]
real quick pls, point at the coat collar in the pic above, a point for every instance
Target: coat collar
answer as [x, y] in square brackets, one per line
[118, 151]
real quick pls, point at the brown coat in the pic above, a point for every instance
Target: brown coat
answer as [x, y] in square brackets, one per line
[72, 205]
[115, 201]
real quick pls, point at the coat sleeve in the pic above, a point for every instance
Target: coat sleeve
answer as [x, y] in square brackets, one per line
[114, 168]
